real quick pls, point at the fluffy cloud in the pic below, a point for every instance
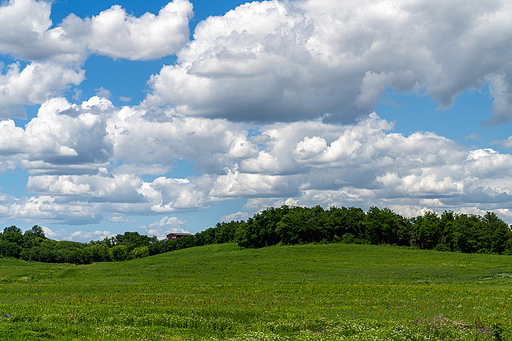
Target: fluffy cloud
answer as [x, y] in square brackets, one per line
[246, 185]
[163, 227]
[311, 163]
[118, 189]
[115, 34]
[315, 67]
[47, 210]
[55, 55]
[34, 84]
[288, 61]
[501, 90]
[81, 236]
[85, 236]
[143, 140]
[64, 138]
[49, 233]
[27, 35]
[180, 194]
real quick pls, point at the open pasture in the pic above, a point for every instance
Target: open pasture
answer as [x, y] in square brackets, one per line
[306, 292]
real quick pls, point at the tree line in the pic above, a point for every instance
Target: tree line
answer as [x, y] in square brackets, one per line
[34, 246]
[283, 225]
[286, 225]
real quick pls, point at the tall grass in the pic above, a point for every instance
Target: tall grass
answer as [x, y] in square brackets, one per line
[310, 292]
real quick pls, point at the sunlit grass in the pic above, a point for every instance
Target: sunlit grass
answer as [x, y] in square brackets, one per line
[309, 292]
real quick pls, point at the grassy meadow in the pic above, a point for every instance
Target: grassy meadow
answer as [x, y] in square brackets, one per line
[222, 292]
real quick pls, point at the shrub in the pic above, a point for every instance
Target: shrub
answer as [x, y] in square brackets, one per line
[442, 247]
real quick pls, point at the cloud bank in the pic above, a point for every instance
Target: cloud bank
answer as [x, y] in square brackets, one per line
[288, 61]
[309, 162]
[273, 102]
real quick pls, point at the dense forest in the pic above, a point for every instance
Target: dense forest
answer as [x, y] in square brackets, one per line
[297, 225]
[34, 246]
[282, 226]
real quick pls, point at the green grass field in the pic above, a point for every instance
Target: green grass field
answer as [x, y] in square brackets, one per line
[307, 292]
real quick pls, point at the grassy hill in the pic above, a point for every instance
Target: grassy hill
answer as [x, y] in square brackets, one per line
[307, 292]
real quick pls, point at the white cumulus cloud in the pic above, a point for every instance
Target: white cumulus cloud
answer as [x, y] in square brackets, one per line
[63, 138]
[55, 54]
[116, 34]
[34, 84]
[288, 61]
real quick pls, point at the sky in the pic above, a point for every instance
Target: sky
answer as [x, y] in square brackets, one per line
[159, 117]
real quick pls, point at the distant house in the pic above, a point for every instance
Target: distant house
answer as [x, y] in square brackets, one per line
[177, 235]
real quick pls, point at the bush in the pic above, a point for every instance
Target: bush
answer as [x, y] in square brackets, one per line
[118, 253]
[442, 247]
[140, 252]
[9, 249]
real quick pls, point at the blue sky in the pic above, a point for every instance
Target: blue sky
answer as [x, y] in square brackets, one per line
[162, 117]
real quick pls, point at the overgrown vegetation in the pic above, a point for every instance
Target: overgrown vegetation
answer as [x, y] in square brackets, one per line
[223, 292]
[285, 226]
